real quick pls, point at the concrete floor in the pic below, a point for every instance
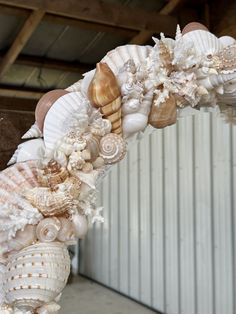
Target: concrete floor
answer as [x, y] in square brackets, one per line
[86, 297]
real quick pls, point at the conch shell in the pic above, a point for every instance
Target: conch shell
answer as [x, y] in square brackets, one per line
[112, 148]
[163, 115]
[104, 93]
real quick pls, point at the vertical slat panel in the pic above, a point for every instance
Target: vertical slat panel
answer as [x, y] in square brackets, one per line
[233, 211]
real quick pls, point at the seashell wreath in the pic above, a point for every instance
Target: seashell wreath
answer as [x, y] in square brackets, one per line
[48, 195]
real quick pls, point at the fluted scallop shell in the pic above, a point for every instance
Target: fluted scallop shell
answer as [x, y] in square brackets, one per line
[52, 174]
[33, 132]
[227, 58]
[204, 42]
[116, 58]
[163, 115]
[17, 178]
[30, 150]
[48, 202]
[47, 229]
[112, 148]
[66, 232]
[59, 116]
[36, 275]
[45, 103]
[133, 123]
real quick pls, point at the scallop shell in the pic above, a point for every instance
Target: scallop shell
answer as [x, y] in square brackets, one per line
[193, 26]
[80, 225]
[66, 232]
[76, 87]
[47, 229]
[36, 275]
[133, 123]
[104, 93]
[48, 202]
[163, 115]
[204, 42]
[227, 58]
[33, 132]
[17, 178]
[45, 103]
[57, 121]
[52, 175]
[116, 58]
[112, 148]
[30, 150]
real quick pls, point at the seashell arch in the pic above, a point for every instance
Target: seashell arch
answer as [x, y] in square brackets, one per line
[47, 203]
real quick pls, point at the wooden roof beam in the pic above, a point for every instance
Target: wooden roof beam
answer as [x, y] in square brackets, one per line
[145, 35]
[17, 104]
[26, 31]
[16, 92]
[102, 12]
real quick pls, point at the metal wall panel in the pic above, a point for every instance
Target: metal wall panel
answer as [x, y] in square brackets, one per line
[168, 239]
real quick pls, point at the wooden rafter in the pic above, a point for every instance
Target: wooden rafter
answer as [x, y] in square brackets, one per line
[102, 12]
[17, 104]
[26, 31]
[145, 35]
[20, 93]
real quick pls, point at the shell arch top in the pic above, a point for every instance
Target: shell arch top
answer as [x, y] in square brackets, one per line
[48, 195]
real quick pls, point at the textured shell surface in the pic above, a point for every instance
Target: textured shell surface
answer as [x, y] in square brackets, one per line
[216, 81]
[100, 127]
[118, 57]
[112, 148]
[47, 229]
[45, 103]
[227, 41]
[228, 57]
[30, 150]
[57, 121]
[92, 144]
[204, 42]
[33, 132]
[22, 238]
[36, 275]
[17, 178]
[133, 123]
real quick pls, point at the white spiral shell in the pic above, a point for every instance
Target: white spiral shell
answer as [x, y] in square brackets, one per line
[112, 148]
[47, 229]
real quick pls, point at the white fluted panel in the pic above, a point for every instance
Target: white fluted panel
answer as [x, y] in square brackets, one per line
[169, 236]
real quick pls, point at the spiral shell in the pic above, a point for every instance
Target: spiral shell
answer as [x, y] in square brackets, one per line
[33, 132]
[36, 275]
[163, 115]
[112, 148]
[92, 144]
[52, 175]
[66, 232]
[104, 93]
[47, 229]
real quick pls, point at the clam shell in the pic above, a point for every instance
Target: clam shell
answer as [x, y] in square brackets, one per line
[63, 110]
[36, 275]
[30, 150]
[133, 123]
[163, 115]
[47, 229]
[204, 42]
[112, 148]
[45, 103]
[116, 58]
[34, 131]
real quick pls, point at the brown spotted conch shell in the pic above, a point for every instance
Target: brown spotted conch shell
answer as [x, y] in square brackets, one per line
[104, 93]
[45, 103]
[163, 115]
[112, 148]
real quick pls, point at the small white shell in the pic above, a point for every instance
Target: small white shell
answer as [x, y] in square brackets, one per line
[80, 225]
[66, 232]
[33, 132]
[133, 123]
[47, 229]
[131, 106]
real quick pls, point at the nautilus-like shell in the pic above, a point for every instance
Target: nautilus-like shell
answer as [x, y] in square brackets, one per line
[52, 174]
[104, 93]
[163, 115]
[112, 148]
[47, 229]
[36, 275]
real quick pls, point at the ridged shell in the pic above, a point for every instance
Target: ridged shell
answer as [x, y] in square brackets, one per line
[66, 232]
[33, 132]
[227, 58]
[133, 123]
[104, 93]
[17, 178]
[163, 115]
[112, 148]
[45, 103]
[36, 275]
[47, 229]
[193, 26]
[116, 58]
[204, 42]
[49, 203]
[60, 114]
[52, 175]
[30, 150]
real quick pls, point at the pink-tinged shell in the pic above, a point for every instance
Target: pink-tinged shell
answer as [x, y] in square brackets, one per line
[66, 232]
[17, 178]
[36, 275]
[193, 26]
[47, 229]
[45, 103]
